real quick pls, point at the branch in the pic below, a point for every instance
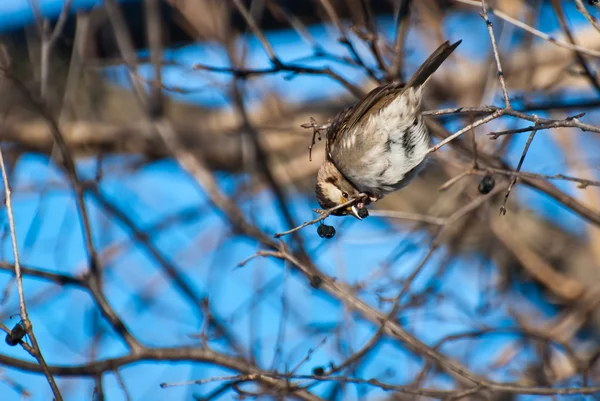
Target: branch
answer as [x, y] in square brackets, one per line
[37, 352]
[323, 214]
[533, 31]
[488, 23]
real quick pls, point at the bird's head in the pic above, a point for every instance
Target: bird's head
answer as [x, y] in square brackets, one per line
[334, 189]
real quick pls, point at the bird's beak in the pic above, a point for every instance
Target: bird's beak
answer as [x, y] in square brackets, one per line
[354, 211]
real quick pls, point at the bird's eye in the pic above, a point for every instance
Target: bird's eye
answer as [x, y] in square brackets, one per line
[345, 195]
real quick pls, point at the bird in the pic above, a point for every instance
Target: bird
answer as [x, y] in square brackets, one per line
[379, 144]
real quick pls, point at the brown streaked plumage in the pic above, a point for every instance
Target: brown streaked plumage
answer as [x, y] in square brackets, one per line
[378, 145]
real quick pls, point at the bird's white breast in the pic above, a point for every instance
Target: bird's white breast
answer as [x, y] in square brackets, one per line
[395, 143]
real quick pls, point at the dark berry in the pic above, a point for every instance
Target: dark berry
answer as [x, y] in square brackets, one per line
[318, 371]
[315, 281]
[322, 230]
[16, 335]
[486, 184]
[363, 213]
[325, 231]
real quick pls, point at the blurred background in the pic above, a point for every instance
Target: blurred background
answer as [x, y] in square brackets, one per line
[154, 148]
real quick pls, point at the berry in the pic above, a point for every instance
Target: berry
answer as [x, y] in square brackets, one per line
[16, 335]
[486, 184]
[321, 230]
[318, 371]
[325, 231]
[363, 213]
[330, 232]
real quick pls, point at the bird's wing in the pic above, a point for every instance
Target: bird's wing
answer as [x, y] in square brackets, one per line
[378, 98]
[375, 100]
[333, 133]
[351, 116]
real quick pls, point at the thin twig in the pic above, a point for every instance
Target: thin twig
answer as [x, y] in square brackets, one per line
[154, 35]
[455, 179]
[583, 10]
[582, 183]
[514, 180]
[257, 32]
[69, 164]
[122, 384]
[343, 39]
[538, 127]
[560, 14]
[128, 51]
[323, 214]
[294, 68]
[308, 356]
[37, 352]
[316, 134]
[48, 40]
[490, 28]
[532, 30]
[259, 254]
[402, 25]
[493, 116]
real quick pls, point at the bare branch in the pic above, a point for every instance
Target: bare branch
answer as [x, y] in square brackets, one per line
[37, 352]
[490, 28]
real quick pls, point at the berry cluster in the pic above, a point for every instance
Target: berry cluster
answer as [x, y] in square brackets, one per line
[325, 231]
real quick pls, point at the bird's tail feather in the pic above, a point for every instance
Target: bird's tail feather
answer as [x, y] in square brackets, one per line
[432, 63]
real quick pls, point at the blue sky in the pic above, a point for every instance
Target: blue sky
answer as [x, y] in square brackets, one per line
[205, 252]
[16, 12]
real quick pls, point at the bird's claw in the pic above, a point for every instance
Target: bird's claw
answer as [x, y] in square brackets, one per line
[366, 199]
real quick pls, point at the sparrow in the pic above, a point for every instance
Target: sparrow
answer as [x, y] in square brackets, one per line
[379, 144]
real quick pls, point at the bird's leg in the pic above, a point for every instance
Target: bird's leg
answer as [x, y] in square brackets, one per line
[370, 197]
[362, 200]
[366, 198]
